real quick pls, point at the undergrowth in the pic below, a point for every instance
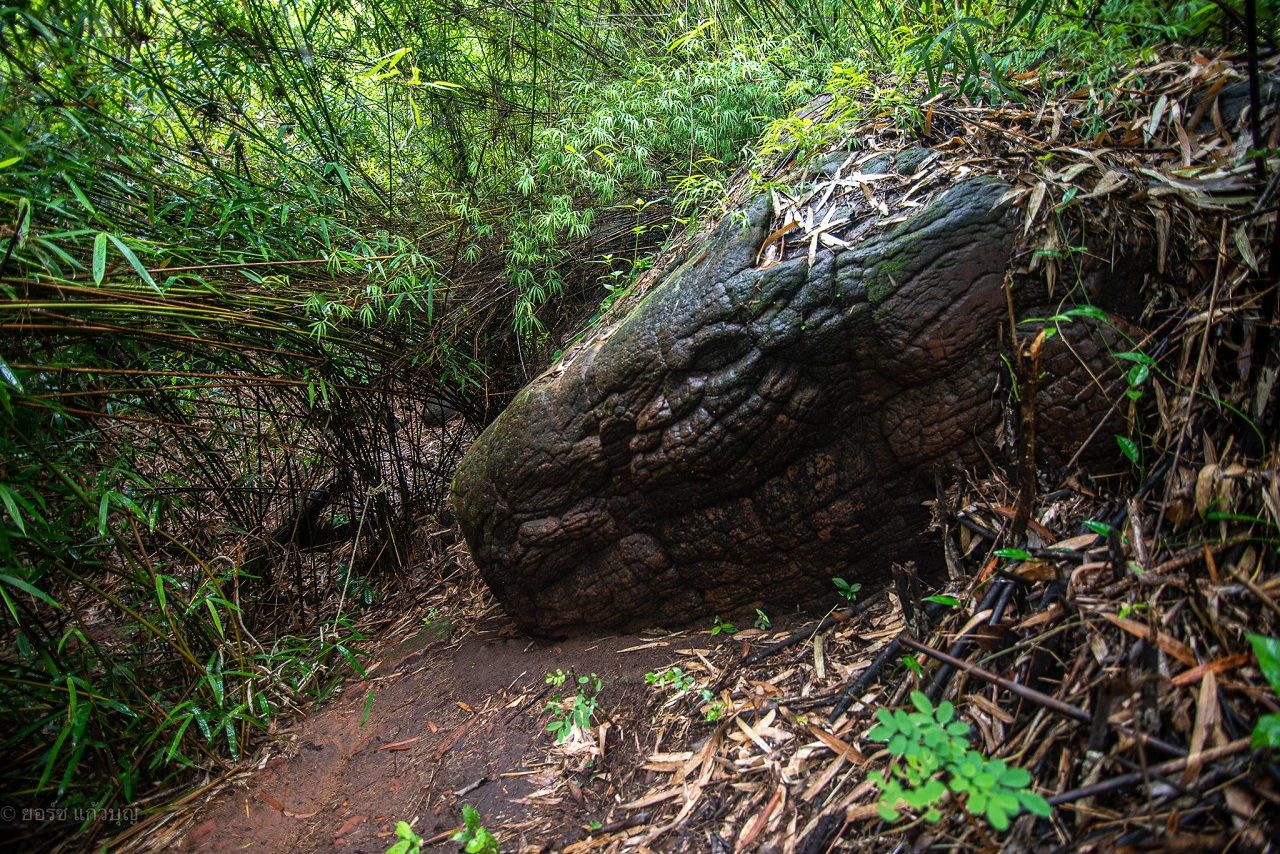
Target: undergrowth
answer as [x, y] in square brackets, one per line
[248, 251]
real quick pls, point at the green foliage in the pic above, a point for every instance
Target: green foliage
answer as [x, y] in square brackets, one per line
[1129, 609]
[242, 241]
[847, 590]
[681, 683]
[1102, 529]
[408, 841]
[714, 709]
[673, 677]
[972, 49]
[687, 111]
[576, 711]
[722, 627]
[1266, 732]
[762, 620]
[933, 757]
[473, 837]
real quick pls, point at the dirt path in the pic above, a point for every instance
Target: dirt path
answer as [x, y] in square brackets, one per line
[447, 726]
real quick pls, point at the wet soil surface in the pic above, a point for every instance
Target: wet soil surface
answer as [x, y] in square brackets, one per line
[446, 725]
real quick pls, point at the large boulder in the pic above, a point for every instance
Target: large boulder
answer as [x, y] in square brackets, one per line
[746, 433]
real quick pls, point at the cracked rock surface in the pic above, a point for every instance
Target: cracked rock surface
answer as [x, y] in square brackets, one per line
[745, 434]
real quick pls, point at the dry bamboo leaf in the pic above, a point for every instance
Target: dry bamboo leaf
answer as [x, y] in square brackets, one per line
[1076, 543]
[1036, 570]
[1184, 144]
[838, 746]
[1208, 487]
[1033, 205]
[650, 645]
[1207, 714]
[270, 801]
[1241, 239]
[1109, 183]
[752, 736]
[752, 828]
[654, 798]
[401, 745]
[973, 622]
[1072, 172]
[1171, 646]
[774, 238]
[1040, 618]
[1153, 123]
[820, 781]
[1162, 239]
[1216, 666]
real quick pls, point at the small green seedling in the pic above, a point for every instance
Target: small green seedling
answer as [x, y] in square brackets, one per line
[715, 708]
[847, 590]
[1266, 732]
[1139, 373]
[932, 756]
[409, 842]
[473, 837]
[1102, 529]
[721, 627]
[762, 620]
[1129, 448]
[1128, 610]
[576, 711]
[672, 677]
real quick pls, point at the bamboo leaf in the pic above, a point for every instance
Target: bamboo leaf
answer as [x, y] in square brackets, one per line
[134, 262]
[26, 587]
[99, 257]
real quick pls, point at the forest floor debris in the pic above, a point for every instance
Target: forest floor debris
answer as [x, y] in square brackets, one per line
[1089, 652]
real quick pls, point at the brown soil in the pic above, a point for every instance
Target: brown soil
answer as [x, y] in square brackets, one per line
[447, 726]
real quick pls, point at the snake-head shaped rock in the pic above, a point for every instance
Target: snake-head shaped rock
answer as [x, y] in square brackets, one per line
[745, 434]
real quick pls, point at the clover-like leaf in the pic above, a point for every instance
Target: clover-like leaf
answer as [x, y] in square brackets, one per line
[1005, 800]
[1015, 778]
[1034, 804]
